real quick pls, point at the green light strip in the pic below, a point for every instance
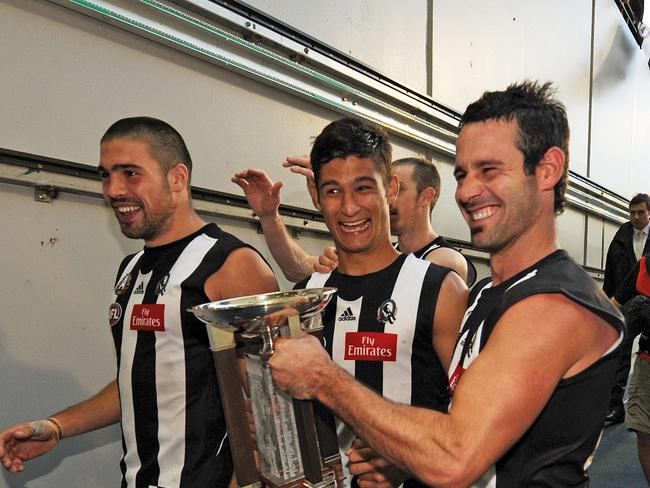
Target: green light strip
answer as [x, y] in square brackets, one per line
[270, 78]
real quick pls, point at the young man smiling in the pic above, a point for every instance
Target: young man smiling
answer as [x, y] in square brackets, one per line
[166, 394]
[536, 356]
[395, 318]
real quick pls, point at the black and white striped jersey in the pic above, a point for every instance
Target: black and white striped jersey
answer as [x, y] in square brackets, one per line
[437, 243]
[378, 327]
[557, 449]
[173, 430]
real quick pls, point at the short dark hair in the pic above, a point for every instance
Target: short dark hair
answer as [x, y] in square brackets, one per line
[425, 175]
[165, 143]
[541, 119]
[641, 198]
[352, 137]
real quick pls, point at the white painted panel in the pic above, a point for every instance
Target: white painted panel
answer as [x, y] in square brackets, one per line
[594, 241]
[487, 44]
[571, 232]
[621, 107]
[361, 28]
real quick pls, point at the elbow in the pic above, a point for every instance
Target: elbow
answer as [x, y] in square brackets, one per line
[457, 471]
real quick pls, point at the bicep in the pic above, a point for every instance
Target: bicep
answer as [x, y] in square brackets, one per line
[243, 273]
[450, 308]
[504, 390]
[449, 259]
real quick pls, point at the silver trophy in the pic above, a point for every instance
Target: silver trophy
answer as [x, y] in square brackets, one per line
[295, 445]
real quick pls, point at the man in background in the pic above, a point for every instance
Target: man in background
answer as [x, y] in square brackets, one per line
[628, 245]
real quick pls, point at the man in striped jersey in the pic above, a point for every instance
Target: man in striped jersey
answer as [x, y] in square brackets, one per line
[395, 318]
[535, 361]
[166, 393]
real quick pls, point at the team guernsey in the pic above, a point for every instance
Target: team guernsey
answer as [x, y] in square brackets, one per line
[173, 430]
[379, 329]
[438, 243]
[557, 448]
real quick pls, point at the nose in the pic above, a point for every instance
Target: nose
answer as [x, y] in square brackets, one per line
[467, 189]
[350, 206]
[113, 186]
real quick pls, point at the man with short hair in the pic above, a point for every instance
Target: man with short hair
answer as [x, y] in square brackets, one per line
[537, 351]
[410, 217]
[395, 318]
[628, 245]
[166, 393]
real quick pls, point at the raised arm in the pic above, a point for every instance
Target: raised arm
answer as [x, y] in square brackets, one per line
[264, 198]
[26, 441]
[496, 400]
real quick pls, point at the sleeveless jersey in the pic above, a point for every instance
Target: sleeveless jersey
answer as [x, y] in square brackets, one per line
[437, 243]
[173, 429]
[556, 450]
[378, 327]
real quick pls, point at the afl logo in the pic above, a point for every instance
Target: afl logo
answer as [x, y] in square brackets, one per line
[123, 285]
[387, 312]
[114, 314]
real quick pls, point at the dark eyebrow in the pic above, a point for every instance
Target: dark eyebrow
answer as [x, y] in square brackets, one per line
[119, 167]
[358, 179]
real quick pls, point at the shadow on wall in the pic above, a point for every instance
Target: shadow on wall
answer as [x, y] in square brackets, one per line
[32, 393]
[614, 64]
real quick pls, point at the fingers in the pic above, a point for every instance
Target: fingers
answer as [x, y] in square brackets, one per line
[297, 162]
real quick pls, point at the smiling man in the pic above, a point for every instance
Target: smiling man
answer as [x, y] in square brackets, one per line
[536, 356]
[395, 318]
[166, 392]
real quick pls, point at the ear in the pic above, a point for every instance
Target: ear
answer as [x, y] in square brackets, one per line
[313, 193]
[392, 190]
[426, 196]
[550, 168]
[178, 177]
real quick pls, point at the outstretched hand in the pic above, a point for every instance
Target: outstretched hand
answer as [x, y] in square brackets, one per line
[262, 194]
[26, 441]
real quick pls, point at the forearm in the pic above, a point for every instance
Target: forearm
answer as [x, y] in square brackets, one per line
[98, 411]
[417, 440]
[294, 262]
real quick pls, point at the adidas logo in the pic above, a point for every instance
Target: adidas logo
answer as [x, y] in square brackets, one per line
[139, 290]
[346, 315]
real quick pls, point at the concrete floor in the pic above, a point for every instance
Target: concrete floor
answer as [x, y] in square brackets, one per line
[616, 463]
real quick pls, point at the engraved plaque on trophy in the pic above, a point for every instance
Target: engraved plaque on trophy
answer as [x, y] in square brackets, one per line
[296, 447]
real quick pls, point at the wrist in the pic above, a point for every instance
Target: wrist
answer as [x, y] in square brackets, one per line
[56, 425]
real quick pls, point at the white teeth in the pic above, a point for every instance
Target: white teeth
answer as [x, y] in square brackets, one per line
[127, 209]
[352, 224]
[484, 213]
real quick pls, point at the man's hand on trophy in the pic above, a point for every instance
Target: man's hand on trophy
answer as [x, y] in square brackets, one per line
[300, 365]
[372, 470]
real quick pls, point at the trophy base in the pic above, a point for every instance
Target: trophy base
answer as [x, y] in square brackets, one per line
[332, 478]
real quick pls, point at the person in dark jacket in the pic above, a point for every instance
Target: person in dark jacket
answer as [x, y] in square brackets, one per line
[628, 245]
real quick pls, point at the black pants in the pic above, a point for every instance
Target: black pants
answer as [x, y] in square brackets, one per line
[624, 362]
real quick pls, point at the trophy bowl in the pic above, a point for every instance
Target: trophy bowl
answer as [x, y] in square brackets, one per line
[250, 313]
